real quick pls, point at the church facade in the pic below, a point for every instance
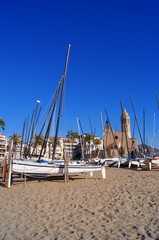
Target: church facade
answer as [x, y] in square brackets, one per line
[119, 143]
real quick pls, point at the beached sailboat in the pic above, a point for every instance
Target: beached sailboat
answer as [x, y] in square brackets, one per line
[51, 167]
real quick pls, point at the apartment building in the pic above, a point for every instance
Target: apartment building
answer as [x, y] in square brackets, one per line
[3, 146]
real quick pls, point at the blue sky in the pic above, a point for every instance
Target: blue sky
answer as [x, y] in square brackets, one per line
[114, 52]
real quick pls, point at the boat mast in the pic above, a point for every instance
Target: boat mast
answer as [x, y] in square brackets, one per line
[103, 134]
[91, 131]
[144, 126]
[27, 142]
[111, 130]
[83, 140]
[26, 130]
[59, 114]
[154, 135]
[50, 120]
[137, 123]
[80, 138]
[33, 126]
[157, 100]
[22, 139]
[52, 107]
[81, 127]
[132, 143]
[90, 124]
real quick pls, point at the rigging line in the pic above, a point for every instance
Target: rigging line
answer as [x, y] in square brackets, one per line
[33, 127]
[110, 125]
[81, 127]
[51, 108]
[53, 122]
[90, 124]
[53, 95]
[26, 148]
[144, 125]
[48, 128]
[137, 122]
[156, 138]
[132, 143]
[30, 126]
[157, 99]
[80, 138]
[62, 91]
[22, 138]
[37, 118]
[26, 129]
[103, 134]
[150, 142]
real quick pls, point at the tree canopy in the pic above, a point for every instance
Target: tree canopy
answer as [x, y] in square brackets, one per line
[72, 135]
[2, 123]
[16, 138]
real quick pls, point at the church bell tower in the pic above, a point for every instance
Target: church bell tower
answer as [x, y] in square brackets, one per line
[125, 123]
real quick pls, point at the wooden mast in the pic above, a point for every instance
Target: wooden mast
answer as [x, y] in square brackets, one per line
[50, 120]
[138, 125]
[59, 113]
[111, 130]
[103, 134]
[157, 100]
[22, 139]
[80, 139]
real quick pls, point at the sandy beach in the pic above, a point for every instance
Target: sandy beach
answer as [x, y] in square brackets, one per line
[125, 205]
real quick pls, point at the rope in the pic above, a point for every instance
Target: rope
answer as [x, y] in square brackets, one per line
[53, 95]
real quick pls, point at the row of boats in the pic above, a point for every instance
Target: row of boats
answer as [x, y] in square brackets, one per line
[49, 167]
[138, 162]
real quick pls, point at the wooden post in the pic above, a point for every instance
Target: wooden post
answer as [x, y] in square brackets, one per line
[8, 182]
[67, 158]
[129, 165]
[25, 179]
[4, 168]
[150, 165]
[119, 164]
[104, 172]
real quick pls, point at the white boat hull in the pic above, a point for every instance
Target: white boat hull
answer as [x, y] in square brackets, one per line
[30, 167]
[155, 162]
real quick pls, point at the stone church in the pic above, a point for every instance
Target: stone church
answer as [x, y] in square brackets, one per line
[119, 143]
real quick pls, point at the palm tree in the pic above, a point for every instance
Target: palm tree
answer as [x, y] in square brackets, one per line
[51, 142]
[88, 139]
[97, 142]
[2, 124]
[16, 139]
[72, 135]
[121, 151]
[37, 140]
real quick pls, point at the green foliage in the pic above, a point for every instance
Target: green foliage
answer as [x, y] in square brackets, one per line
[121, 151]
[97, 141]
[16, 138]
[52, 140]
[38, 139]
[2, 123]
[134, 152]
[88, 138]
[72, 135]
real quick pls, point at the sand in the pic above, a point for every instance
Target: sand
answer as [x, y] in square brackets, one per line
[123, 206]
